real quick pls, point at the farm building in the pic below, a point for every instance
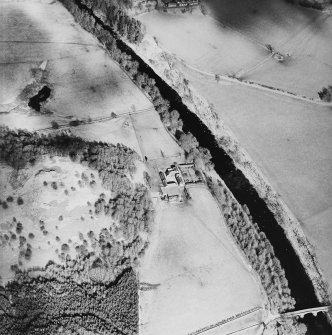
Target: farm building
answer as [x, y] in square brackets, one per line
[179, 3]
[174, 179]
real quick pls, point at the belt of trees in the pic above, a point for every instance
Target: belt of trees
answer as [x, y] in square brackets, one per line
[256, 247]
[111, 13]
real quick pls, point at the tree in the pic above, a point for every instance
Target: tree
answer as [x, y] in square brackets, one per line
[20, 201]
[54, 125]
[65, 247]
[188, 142]
[19, 227]
[326, 94]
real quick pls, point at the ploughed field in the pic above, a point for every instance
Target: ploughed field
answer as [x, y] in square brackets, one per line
[288, 139]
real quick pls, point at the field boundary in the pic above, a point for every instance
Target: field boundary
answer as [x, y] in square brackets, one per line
[259, 86]
[230, 319]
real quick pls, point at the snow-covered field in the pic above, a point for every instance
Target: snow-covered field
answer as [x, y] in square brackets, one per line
[232, 39]
[199, 276]
[54, 197]
[85, 82]
[288, 139]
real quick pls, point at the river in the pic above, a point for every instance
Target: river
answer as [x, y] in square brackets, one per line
[299, 283]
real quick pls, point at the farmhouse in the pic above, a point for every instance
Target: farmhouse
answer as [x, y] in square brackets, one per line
[180, 3]
[174, 179]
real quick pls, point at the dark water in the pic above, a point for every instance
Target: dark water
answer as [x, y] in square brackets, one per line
[299, 283]
[40, 97]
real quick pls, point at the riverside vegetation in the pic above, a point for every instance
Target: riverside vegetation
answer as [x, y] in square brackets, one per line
[255, 244]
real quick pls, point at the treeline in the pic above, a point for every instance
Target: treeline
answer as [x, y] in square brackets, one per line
[256, 247]
[37, 306]
[19, 148]
[110, 13]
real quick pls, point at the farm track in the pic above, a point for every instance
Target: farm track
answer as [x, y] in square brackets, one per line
[259, 86]
[96, 120]
[230, 319]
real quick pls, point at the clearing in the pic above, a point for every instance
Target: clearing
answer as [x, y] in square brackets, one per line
[58, 205]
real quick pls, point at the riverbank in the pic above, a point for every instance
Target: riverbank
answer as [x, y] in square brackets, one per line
[165, 66]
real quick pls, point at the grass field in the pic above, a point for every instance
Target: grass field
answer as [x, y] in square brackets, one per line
[199, 276]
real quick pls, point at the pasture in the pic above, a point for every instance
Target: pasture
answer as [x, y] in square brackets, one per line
[193, 274]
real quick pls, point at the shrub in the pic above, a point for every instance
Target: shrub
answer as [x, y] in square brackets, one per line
[22, 240]
[20, 201]
[4, 205]
[45, 183]
[45, 232]
[54, 185]
[54, 125]
[65, 247]
[10, 199]
[19, 227]
[31, 236]
[60, 218]
[326, 94]
[75, 123]
[28, 254]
